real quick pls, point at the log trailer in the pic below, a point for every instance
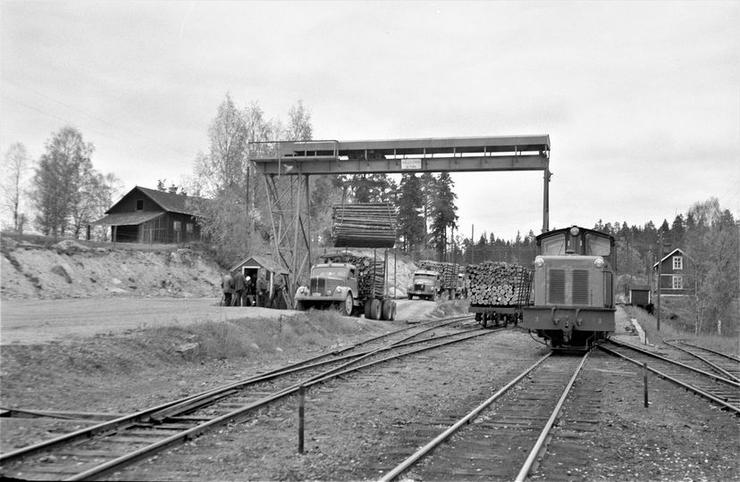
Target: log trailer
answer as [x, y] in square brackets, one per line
[353, 285]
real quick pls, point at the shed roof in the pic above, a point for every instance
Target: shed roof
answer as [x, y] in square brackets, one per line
[262, 261]
[128, 219]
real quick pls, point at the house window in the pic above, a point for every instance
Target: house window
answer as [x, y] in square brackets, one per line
[176, 225]
[677, 282]
[189, 227]
[139, 204]
[677, 262]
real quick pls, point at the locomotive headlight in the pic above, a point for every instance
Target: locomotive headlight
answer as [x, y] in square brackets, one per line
[539, 262]
[599, 262]
[574, 231]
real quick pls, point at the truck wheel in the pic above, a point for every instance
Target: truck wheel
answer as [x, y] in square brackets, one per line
[375, 309]
[484, 320]
[393, 311]
[300, 306]
[411, 297]
[367, 310]
[385, 310]
[346, 308]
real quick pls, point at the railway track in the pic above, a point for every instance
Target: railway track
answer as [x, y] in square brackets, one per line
[502, 438]
[97, 450]
[721, 363]
[716, 388]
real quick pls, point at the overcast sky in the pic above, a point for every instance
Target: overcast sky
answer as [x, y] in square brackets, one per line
[641, 100]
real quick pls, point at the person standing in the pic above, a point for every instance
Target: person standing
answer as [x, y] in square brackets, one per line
[227, 286]
[249, 292]
[239, 286]
[262, 289]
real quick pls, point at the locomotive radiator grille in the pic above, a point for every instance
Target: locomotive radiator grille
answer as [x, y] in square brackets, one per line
[580, 287]
[556, 291]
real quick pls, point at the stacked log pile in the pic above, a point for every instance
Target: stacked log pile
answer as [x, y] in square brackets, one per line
[498, 284]
[364, 225]
[447, 270]
[370, 274]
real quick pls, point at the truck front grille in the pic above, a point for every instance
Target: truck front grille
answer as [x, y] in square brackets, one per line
[318, 285]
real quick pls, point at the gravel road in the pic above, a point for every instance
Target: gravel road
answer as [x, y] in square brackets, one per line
[44, 321]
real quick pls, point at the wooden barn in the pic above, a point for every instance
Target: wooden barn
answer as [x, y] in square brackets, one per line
[674, 274]
[151, 216]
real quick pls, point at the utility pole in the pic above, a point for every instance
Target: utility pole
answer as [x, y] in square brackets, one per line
[660, 267]
[472, 244]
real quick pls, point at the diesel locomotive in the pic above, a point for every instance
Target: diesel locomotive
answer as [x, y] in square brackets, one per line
[572, 301]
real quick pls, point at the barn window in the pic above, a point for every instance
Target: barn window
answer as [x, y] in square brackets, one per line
[139, 204]
[189, 227]
[176, 225]
[678, 262]
[678, 282]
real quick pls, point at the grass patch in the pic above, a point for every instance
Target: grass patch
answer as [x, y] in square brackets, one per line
[670, 330]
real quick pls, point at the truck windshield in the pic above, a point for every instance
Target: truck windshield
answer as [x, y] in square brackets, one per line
[330, 273]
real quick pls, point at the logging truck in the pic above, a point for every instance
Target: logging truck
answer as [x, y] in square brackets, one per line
[353, 285]
[426, 284]
[498, 292]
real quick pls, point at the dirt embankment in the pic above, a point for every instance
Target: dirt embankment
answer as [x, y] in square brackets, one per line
[69, 269]
[34, 268]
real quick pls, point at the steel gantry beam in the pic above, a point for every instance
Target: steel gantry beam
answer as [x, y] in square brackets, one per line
[298, 160]
[460, 154]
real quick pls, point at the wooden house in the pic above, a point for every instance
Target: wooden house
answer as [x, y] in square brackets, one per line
[675, 270]
[151, 216]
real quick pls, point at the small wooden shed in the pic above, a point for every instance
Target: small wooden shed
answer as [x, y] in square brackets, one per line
[252, 265]
[640, 296]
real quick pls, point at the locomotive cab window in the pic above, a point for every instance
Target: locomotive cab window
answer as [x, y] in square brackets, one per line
[597, 245]
[554, 245]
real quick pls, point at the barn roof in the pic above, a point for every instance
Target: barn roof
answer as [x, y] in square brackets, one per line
[128, 219]
[174, 203]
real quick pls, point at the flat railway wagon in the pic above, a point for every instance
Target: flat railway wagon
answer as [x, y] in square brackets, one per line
[498, 292]
[572, 304]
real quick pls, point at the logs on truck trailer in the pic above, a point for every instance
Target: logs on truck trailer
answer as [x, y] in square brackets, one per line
[370, 273]
[448, 271]
[498, 284]
[364, 225]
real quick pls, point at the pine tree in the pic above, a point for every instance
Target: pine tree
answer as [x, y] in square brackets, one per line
[444, 213]
[410, 217]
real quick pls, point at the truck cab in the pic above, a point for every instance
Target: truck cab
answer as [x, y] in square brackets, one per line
[426, 284]
[330, 285]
